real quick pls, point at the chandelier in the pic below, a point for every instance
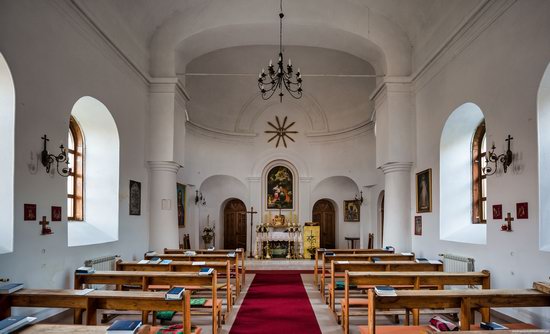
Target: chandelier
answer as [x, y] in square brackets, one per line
[276, 79]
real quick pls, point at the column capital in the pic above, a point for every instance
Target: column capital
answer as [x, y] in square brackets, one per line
[164, 166]
[393, 167]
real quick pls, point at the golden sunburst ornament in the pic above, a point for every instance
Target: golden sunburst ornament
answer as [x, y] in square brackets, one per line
[281, 131]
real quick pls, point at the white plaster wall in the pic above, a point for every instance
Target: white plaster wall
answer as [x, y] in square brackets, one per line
[544, 159]
[500, 71]
[54, 63]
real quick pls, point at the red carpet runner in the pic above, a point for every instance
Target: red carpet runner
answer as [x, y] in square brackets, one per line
[277, 303]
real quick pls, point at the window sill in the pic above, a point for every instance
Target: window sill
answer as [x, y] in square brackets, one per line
[469, 234]
[81, 233]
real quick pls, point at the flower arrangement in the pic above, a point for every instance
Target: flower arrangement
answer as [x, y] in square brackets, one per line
[207, 234]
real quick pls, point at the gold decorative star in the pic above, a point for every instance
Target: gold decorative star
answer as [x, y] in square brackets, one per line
[281, 131]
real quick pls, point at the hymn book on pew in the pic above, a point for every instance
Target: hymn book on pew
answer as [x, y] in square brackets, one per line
[491, 326]
[85, 270]
[165, 261]
[11, 324]
[10, 287]
[143, 262]
[190, 253]
[174, 294]
[385, 290]
[232, 254]
[211, 248]
[155, 260]
[205, 271]
[124, 327]
[422, 260]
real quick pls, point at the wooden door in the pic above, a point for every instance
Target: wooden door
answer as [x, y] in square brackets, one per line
[234, 224]
[324, 214]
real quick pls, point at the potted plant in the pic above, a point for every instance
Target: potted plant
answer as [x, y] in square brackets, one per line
[207, 234]
[311, 248]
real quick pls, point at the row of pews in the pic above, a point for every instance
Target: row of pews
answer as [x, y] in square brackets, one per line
[141, 287]
[346, 279]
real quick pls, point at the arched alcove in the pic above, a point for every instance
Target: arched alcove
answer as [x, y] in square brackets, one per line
[543, 113]
[338, 189]
[456, 177]
[7, 147]
[101, 168]
[218, 190]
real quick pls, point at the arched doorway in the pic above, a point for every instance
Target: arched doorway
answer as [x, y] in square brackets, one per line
[234, 224]
[324, 214]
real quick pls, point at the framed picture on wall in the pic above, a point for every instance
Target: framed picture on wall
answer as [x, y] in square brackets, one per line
[352, 211]
[180, 199]
[418, 225]
[135, 198]
[424, 191]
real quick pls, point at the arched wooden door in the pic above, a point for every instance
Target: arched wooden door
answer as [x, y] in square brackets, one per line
[324, 214]
[234, 224]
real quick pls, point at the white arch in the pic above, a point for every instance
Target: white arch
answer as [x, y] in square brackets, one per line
[7, 148]
[102, 150]
[543, 123]
[365, 33]
[455, 167]
[274, 154]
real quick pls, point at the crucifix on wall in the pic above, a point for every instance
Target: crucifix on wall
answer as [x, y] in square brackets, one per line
[508, 227]
[45, 228]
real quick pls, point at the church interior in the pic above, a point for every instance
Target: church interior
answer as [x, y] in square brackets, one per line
[311, 166]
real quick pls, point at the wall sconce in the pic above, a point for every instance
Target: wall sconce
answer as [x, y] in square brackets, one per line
[360, 198]
[49, 159]
[199, 198]
[491, 158]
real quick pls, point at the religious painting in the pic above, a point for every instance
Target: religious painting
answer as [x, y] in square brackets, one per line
[181, 204]
[30, 212]
[418, 225]
[280, 184]
[424, 191]
[56, 213]
[497, 211]
[135, 198]
[351, 211]
[522, 210]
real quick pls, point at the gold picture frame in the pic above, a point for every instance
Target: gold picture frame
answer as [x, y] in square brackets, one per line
[424, 191]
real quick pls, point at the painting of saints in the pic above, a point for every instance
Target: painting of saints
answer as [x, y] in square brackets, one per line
[423, 191]
[279, 188]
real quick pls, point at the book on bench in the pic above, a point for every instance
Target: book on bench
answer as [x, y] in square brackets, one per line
[190, 253]
[232, 254]
[174, 294]
[13, 323]
[385, 290]
[124, 327]
[422, 260]
[143, 262]
[491, 326]
[330, 254]
[155, 260]
[85, 270]
[205, 271]
[10, 287]
[165, 261]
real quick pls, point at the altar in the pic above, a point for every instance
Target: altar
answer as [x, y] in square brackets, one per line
[279, 240]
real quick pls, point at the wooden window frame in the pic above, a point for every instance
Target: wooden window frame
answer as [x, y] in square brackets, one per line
[478, 200]
[77, 172]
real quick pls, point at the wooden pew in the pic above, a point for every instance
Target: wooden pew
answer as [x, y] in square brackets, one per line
[414, 280]
[325, 261]
[319, 254]
[183, 266]
[427, 330]
[465, 300]
[147, 278]
[234, 262]
[241, 252]
[398, 266]
[82, 329]
[95, 300]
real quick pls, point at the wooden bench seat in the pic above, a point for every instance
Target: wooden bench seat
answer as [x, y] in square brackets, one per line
[155, 278]
[96, 300]
[319, 254]
[416, 280]
[426, 329]
[467, 300]
[81, 329]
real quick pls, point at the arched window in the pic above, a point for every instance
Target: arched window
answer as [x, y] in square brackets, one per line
[543, 109]
[462, 193]
[7, 149]
[75, 181]
[479, 180]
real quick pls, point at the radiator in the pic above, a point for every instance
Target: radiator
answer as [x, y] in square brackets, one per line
[101, 264]
[457, 264]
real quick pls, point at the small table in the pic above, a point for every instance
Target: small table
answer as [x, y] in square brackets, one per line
[351, 242]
